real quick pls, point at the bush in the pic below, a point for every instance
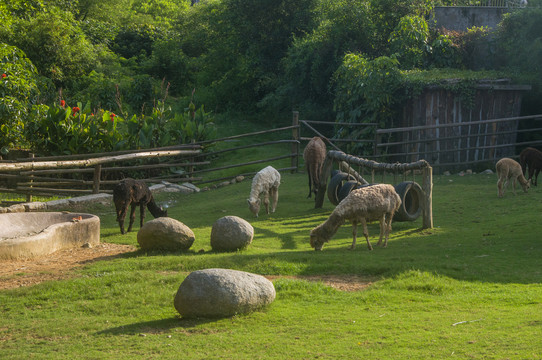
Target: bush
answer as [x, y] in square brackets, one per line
[19, 90]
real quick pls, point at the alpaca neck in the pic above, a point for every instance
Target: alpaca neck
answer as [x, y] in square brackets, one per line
[255, 192]
[332, 225]
[155, 210]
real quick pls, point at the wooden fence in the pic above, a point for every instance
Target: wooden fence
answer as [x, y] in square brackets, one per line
[444, 146]
[448, 146]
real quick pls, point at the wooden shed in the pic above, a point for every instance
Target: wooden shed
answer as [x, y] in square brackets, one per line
[448, 129]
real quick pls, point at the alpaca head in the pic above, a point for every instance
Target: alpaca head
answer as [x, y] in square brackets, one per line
[525, 186]
[163, 212]
[254, 206]
[318, 238]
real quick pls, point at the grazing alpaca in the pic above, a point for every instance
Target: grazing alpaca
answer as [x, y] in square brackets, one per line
[510, 169]
[266, 182]
[134, 192]
[371, 203]
[314, 156]
[531, 159]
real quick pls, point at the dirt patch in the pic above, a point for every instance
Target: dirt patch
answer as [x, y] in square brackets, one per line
[339, 282]
[58, 266]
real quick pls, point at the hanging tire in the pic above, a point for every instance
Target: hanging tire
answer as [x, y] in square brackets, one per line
[411, 195]
[346, 189]
[335, 184]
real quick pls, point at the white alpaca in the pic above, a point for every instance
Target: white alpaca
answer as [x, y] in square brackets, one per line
[509, 169]
[371, 203]
[314, 156]
[266, 182]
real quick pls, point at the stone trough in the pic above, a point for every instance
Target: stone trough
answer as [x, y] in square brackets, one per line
[29, 235]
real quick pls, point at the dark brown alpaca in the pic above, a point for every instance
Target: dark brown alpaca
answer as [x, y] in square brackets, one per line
[531, 159]
[134, 192]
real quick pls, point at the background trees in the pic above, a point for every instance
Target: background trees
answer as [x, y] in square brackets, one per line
[261, 57]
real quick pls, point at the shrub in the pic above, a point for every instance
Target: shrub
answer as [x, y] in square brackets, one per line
[19, 90]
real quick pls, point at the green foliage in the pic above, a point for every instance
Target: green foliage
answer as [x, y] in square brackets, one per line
[387, 14]
[136, 40]
[344, 26]
[61, 130]
[409, 40]
[366, 92]
[55, 45]
[444, 53]
[163, 127]
[19, 90]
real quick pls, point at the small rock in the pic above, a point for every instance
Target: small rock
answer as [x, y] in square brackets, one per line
[165, 233]
[231, 233]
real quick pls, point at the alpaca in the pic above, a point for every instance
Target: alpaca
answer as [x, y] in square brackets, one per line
[371, 203]
[314, 156]
[266, 182]
[134, 192]
[531, 159]
[510, 169]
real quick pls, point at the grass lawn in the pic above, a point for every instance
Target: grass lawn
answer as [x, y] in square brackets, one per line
[470, 288]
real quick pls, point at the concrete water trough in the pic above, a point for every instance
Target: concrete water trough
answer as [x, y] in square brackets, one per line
[32, 234]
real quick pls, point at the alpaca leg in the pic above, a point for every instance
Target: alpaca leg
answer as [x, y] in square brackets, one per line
[142, 214]
[500, 186]
[310, 184]
[266, 202]
[121, 215]
[366, 233]
[132, 217]
[382, 229]
[537, 171]
[275, 198]
[514, 186]
[389, 218]
[354, 235]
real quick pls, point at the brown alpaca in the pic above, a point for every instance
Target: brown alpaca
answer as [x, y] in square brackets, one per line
[509, 169]
[371, 203]
[130, 192]
[531, 159]
[314, 156]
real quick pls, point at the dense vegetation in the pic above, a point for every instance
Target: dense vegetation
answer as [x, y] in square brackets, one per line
[153, 63]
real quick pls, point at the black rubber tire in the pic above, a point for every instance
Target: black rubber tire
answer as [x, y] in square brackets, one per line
[335, 185]
[346, 188]
[411, 195]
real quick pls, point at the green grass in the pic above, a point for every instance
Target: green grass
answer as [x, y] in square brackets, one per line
[469, 289]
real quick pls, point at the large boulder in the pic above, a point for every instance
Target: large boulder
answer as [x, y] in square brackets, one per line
[222, 293]
[165, 233]
[231, 233]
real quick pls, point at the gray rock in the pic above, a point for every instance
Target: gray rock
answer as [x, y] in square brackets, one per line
[57, 204]
[35, 206]
[487, 172]
[17, 208]
[166, 234]
[231, 233]
[104, 199]
[222, 293]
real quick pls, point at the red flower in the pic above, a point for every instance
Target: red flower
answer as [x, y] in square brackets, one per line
[3, 76]
[75, 109]
[62, 103]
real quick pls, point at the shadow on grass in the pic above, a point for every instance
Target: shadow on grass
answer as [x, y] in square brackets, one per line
[156, 326]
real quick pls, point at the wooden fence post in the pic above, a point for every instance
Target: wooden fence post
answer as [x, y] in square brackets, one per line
[29, 196]
[295, 146]
[96, 180]
[427, 187]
